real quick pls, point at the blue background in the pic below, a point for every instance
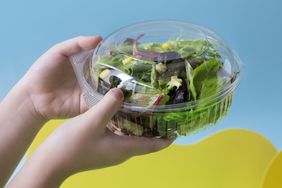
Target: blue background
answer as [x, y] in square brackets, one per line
[252, 28]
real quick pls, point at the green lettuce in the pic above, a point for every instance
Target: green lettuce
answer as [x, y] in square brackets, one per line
[200, 79]
[205, 79]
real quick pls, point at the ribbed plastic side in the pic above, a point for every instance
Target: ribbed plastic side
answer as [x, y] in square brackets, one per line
[81, 63]
[170, 124]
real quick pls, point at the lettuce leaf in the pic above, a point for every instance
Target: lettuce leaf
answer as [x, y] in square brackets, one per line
[189, 76]
[200, 72]
[204, 78]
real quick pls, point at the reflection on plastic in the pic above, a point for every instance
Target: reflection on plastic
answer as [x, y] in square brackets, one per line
[231, 158]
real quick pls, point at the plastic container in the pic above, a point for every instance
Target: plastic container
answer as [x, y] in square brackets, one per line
[177, 77]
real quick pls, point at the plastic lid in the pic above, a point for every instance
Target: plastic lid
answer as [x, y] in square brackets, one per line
[164, 65]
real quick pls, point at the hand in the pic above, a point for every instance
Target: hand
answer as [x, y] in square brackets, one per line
[51, 83]
[84, 143]
[48, 90]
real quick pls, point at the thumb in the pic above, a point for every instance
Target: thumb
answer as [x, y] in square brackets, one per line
[103, 112]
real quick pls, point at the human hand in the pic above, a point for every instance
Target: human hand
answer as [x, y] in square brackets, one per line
[51, 83]
[48, 90]
[84, 143]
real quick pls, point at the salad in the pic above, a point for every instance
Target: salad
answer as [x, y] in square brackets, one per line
[187, 75]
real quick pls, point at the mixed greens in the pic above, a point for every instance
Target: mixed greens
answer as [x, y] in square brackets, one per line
[159, 75]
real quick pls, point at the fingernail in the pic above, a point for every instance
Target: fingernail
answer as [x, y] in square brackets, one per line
[118, 93]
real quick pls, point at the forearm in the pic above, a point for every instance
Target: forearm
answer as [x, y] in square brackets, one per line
[19, 124]
[42, 170]
[83, 143]
[39, 171]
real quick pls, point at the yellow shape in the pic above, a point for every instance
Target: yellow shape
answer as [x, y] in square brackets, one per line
[166, 46]
[273, 178]
[46, 130]
[231, 158]
[105, 73]
[127, 60]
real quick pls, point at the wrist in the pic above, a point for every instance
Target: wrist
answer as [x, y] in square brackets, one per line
[19, 104]
[19, 125]
[46, 171]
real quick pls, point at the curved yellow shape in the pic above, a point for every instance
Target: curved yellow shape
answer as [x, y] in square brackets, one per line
[273, 177]
[230, 158]
[46, 130]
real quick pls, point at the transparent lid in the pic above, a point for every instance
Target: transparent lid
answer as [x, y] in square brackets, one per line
[165, 65]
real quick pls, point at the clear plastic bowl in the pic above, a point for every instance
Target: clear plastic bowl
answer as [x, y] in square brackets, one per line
[157, 61]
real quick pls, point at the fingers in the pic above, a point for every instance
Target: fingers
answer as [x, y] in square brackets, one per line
[102, 112]
[61, 52]
[131, 145]
[76, 45]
